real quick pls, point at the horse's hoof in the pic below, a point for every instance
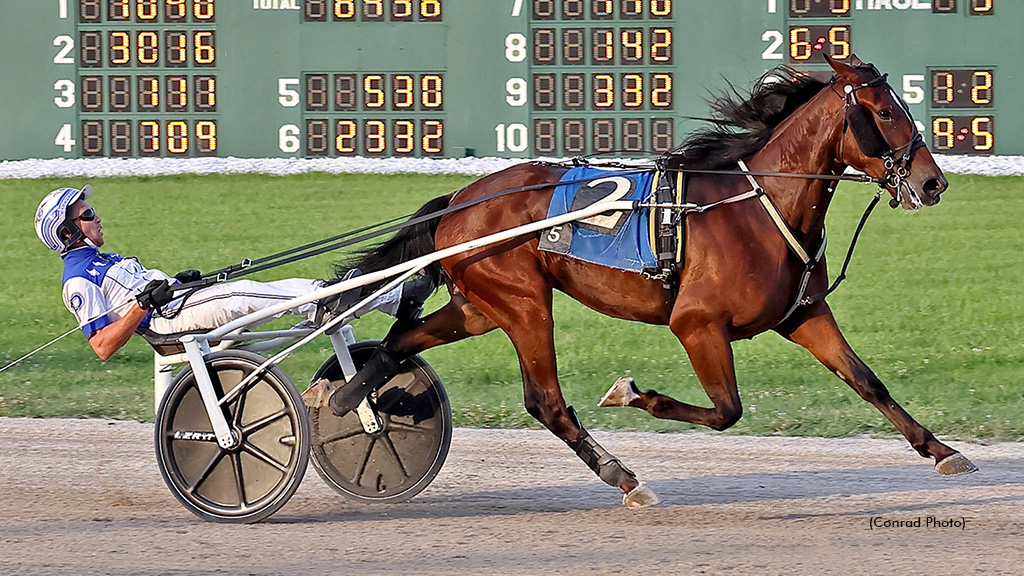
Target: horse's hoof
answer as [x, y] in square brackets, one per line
[318, 393]
[622, 392]
[640, 497]
[955, 465]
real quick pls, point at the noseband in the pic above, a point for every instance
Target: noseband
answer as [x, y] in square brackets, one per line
[860, 121]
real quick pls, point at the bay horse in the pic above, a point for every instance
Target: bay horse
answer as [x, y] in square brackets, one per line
[740, 277]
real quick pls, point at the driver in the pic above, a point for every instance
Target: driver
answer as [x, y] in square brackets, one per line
[113, 297]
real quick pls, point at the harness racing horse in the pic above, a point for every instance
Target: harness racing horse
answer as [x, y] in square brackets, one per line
[741, 275]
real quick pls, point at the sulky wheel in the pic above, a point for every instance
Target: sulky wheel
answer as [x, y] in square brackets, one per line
[253, 480]
[403, 457]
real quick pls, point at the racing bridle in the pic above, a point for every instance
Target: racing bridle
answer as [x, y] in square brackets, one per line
[860, 121]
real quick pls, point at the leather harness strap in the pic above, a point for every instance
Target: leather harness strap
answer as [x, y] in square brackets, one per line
[794, 245]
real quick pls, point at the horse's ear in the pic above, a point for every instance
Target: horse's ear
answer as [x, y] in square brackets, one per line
[843, 69]
[840, 67]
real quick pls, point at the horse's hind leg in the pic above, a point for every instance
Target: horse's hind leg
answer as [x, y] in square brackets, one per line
[820, 334]
[523, 311]
[455, 321]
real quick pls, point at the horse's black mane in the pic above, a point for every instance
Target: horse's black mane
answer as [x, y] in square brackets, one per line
[742, 124]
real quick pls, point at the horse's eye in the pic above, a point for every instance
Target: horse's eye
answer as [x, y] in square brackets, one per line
[885, 114]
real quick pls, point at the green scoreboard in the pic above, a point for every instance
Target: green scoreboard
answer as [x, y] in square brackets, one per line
[453, 78]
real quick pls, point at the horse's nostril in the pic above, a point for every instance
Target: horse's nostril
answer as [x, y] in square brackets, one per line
[934, 186]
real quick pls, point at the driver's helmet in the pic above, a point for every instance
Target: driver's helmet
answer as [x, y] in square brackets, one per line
[53, 226]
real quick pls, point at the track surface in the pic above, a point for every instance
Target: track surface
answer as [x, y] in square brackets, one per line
[84, 497]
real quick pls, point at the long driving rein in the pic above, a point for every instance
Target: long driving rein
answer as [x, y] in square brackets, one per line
[857, 118]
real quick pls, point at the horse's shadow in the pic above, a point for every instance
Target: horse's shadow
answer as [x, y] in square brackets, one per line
[785, 489]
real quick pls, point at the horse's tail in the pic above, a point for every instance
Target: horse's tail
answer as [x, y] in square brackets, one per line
[407, 244]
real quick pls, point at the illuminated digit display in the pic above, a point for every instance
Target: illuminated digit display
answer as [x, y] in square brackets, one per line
[962, 88]
[138, 90]
[602, 9]
[818, 8]
[376, 109]
[808, 44]
[622, 45]
[610, 50]
[175, 11]
[963, 134]
[452, 78]
[149, 93]
[982, 7]
[371, 10]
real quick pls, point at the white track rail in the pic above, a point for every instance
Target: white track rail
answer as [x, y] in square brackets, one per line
[122, 167]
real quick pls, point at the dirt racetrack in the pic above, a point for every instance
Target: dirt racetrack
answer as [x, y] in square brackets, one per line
[85, 497]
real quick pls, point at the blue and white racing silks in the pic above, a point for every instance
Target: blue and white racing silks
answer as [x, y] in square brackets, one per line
[98, 287]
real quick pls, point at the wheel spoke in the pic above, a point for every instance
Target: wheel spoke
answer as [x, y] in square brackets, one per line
[390, 446]
[399, 426]
[264, 422]
[236, 463]
[206, 471]
[254, 451]
[366, 460]
[343, 435]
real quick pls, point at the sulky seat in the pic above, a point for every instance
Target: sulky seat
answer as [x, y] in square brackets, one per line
[167, 344]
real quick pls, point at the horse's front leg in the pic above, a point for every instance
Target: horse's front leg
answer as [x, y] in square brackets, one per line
[820, 335]
[711, 356]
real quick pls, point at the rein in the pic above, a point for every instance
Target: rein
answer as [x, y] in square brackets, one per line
[250, 266]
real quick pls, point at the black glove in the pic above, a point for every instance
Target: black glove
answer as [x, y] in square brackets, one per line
[155, 295]
[186, 276]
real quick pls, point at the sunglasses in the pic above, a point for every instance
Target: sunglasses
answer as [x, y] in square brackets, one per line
[87, 216]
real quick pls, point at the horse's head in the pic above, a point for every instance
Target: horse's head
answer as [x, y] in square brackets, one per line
[881, 139]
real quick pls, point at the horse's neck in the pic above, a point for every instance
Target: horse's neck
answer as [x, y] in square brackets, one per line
[805, 143]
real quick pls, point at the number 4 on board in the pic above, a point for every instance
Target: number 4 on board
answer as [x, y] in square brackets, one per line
[65, 138]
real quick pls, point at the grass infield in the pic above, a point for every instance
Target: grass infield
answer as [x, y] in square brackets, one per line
[932, 304]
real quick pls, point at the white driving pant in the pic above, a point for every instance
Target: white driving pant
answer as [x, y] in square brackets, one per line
[217, 305]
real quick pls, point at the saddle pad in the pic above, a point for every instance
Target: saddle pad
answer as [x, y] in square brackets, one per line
[618, 240]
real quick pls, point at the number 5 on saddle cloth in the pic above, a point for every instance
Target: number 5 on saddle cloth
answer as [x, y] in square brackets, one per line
[646, 240]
